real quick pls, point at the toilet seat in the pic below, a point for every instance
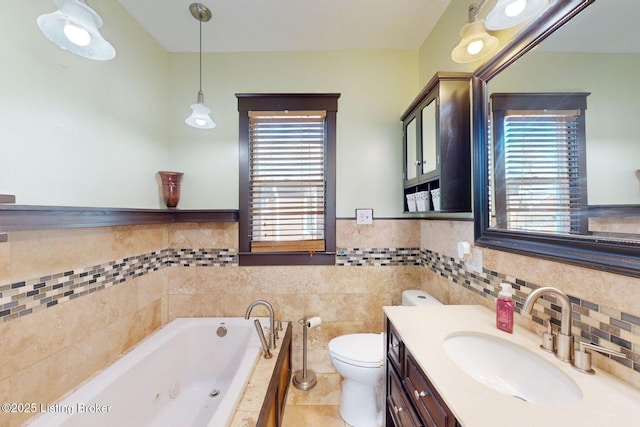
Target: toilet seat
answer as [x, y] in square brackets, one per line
[363, 350]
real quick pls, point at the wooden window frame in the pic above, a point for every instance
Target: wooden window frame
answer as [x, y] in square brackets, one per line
[281, 102]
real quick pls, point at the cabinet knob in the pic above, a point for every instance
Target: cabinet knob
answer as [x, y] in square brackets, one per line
[397, 409]
[419, 394]
[395, 345]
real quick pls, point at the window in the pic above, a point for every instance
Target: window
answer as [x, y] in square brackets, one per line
[287, 178]
[540, 162]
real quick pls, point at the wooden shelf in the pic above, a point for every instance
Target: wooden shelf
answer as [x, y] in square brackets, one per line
[28, 217]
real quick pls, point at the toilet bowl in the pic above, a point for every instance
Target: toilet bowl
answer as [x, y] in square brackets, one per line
[359, 358]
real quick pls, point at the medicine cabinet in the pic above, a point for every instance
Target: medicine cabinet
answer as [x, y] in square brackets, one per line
[437, 145]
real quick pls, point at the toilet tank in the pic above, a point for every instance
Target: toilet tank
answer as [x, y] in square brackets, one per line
[417, 297]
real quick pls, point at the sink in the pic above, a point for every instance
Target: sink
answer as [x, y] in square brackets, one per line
[511, 369]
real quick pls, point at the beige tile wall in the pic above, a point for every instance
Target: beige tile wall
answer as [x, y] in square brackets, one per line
[51, 351]
[348, 299]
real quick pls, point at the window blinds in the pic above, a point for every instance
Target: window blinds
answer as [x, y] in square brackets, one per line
[287, 181]
[542, 150]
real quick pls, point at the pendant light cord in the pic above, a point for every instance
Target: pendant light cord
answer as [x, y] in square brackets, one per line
[200, 53]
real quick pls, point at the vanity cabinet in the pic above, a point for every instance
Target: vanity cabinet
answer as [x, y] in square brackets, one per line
[411, 399]
[437, 142]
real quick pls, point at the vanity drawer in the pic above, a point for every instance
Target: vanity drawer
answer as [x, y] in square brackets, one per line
[400, 409]
[428, 403]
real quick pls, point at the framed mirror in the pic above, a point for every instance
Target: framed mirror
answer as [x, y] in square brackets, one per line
[556, 149]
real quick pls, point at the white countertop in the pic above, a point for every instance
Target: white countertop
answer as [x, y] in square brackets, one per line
[606, 401]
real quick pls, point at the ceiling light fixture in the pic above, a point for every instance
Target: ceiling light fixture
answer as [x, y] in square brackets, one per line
[199, 118]
[509, 13]
[74, 27]
[475, 43]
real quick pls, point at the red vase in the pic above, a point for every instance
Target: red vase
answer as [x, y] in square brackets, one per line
[171, 187]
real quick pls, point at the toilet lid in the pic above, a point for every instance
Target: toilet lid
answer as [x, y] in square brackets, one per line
[358, 348]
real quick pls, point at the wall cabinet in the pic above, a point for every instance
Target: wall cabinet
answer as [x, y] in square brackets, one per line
[437, 142]
[411, 398]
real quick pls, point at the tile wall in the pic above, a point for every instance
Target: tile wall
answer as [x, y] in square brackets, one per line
[72, 301]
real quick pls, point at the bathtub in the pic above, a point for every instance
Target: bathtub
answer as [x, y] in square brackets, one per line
[182, 375]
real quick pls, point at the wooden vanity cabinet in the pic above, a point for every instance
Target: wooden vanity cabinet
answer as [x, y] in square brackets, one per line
[437, 141]
[411, 399]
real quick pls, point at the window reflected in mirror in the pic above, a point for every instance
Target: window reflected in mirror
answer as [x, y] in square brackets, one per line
[542, 179]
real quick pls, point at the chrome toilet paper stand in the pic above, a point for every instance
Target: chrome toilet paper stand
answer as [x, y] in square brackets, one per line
[304, 379]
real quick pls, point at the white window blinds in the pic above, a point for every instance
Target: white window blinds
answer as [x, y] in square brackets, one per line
[542, 176]
[287, 181]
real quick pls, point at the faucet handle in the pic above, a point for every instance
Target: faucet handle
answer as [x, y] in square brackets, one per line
[582, 360]
[548, 339]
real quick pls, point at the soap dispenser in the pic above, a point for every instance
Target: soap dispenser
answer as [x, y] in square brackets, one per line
[504, 309]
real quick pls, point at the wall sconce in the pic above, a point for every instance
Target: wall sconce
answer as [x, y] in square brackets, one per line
[476, 43]
[199, 117]
[74, 27]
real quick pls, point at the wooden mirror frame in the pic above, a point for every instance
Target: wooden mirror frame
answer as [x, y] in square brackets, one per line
[600, 254]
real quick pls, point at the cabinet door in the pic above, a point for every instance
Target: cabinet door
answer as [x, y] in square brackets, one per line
[429, 404]
[411, 150]
[399, 407]
[429, 149]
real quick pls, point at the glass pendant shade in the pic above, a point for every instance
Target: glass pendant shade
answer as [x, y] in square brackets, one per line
[74, 27]
[199, 117]
[509, 13]
[475, 43]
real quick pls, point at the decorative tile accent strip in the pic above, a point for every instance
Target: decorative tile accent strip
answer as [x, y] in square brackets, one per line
[202, 257]
[359, 257]
[592, 322]
[26, 297]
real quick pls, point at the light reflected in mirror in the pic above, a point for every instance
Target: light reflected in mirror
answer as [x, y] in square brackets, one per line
[596, 56]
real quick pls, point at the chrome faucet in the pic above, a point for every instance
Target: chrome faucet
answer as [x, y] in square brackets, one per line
[564, 351]
[272, 322]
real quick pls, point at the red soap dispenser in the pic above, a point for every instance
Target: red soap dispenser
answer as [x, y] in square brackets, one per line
[504, 309]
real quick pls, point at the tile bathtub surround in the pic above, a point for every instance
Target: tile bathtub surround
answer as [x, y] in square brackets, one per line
[602, 325]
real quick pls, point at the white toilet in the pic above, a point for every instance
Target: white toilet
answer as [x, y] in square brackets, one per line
[359, 358]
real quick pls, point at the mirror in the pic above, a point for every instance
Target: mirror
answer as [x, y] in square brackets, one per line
[572, 68]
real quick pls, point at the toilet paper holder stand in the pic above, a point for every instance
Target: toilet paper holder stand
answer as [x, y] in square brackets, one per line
[305, 379]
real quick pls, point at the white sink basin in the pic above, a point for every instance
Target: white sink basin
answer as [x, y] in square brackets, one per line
[511, 369]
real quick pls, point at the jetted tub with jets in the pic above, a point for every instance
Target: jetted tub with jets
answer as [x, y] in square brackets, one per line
[192, 372]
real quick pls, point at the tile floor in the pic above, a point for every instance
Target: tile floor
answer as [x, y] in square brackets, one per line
[317, 407]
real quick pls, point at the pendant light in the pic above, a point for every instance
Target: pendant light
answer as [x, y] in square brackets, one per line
[199, 117]
[475, 43]
[74, 27]
[509, 13]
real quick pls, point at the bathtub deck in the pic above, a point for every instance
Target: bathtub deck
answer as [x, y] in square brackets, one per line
[316, 407]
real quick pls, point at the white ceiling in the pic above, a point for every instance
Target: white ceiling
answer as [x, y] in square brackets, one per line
[289, 25]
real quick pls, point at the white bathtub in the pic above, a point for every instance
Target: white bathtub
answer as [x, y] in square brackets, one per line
[182, 375]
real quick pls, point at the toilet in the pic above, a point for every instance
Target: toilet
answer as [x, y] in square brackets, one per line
[359, 358]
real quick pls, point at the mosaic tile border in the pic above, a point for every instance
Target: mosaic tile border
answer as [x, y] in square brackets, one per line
[377, 257]
[202, 257]
[592, 322]
[29, 296]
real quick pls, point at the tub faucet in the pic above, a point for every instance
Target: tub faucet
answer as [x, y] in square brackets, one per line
[565, 340]
[272, 323]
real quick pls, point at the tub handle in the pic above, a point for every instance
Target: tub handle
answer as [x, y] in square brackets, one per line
[263, 340]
